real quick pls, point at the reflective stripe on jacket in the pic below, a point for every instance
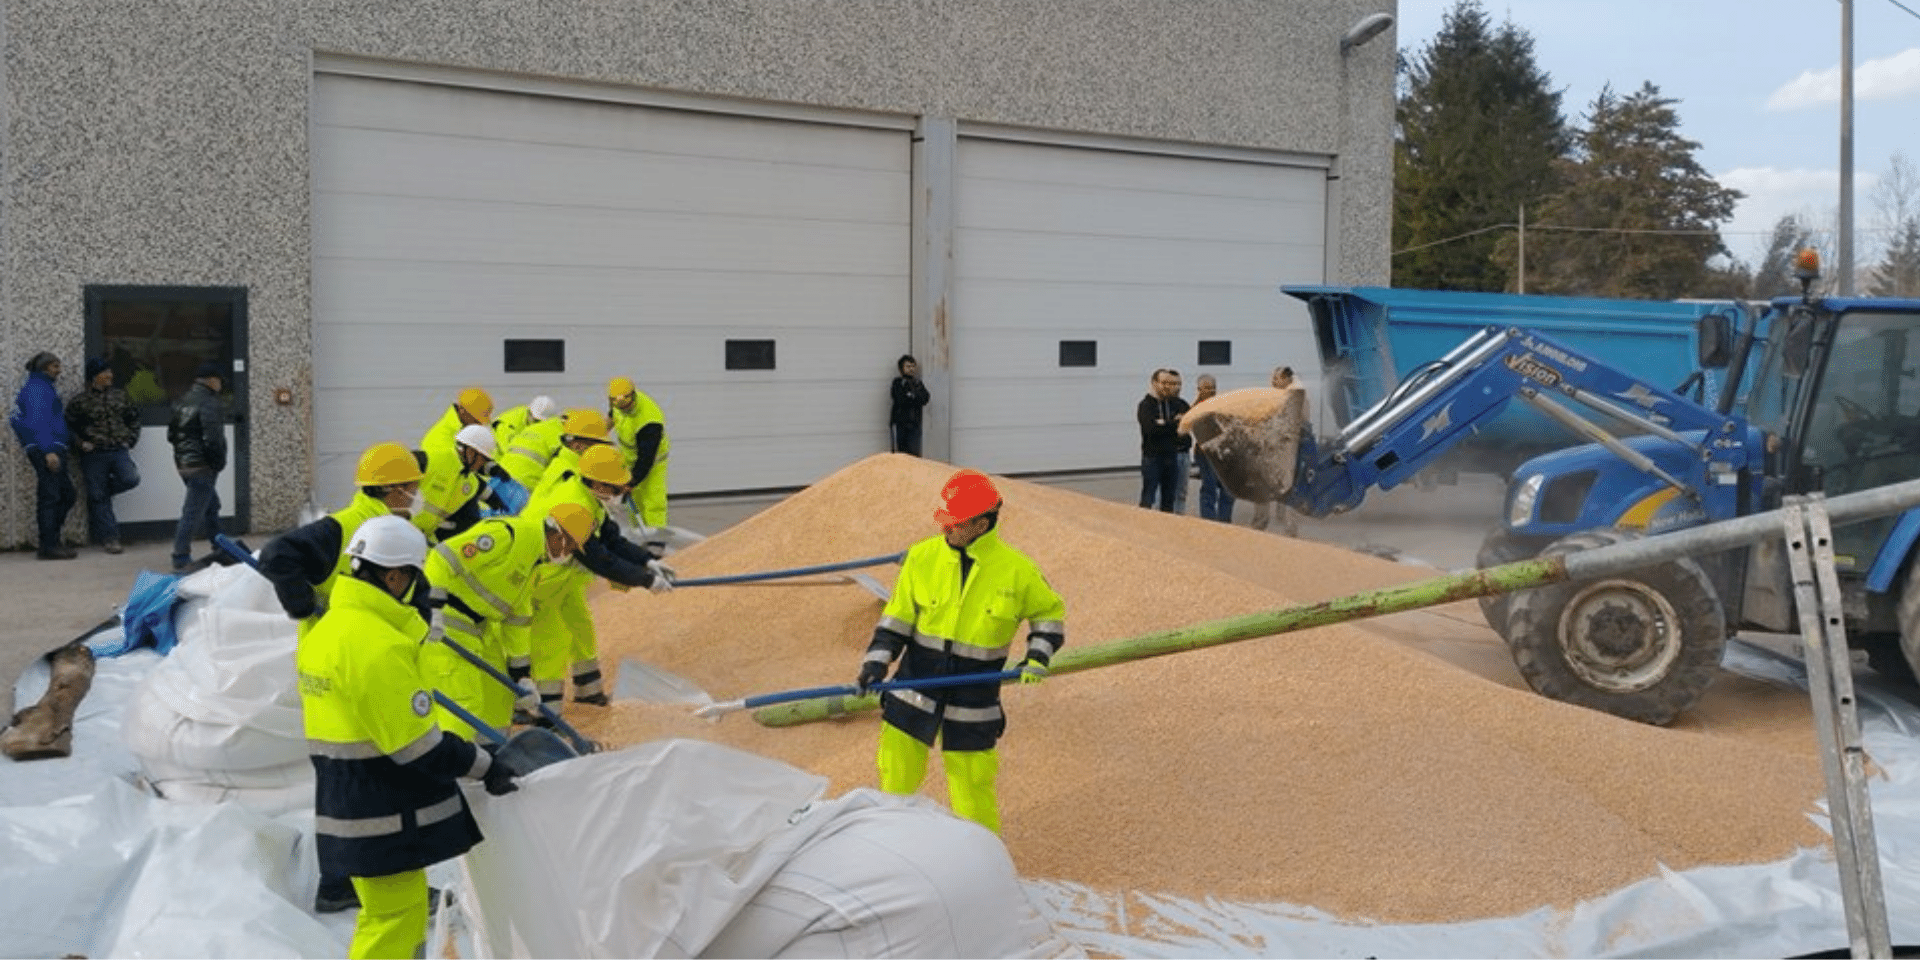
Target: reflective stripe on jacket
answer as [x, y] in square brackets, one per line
[490, 569]
[525, 459]
[386, 798]
[445, 490]
[947, 627]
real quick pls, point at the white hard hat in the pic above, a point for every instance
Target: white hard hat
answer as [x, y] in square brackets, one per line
[479, 438]
[389, 541]
[542, 407]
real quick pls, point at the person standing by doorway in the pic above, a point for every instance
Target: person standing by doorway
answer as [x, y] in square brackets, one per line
[105, 425]
[41, 425]
[198, 435]
[1159, 416]
[910, 397]
[1215, 502]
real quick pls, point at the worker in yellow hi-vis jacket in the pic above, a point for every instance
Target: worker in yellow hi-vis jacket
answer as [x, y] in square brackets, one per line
[955, 607]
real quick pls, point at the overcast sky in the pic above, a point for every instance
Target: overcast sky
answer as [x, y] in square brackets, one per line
[1758, 85]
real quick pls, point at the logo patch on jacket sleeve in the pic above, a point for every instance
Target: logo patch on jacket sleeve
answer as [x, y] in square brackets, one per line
[422, 704]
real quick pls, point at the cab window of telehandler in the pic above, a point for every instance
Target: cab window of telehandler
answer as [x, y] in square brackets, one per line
[1864, 430]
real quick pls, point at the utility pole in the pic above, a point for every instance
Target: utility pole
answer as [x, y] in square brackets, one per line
[1844, 242]
[1522, 271]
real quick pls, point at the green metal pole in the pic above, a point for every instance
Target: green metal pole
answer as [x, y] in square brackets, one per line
[1412, 596]
[1525, 574]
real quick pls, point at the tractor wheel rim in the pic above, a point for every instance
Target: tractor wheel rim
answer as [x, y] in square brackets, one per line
[1620, 636]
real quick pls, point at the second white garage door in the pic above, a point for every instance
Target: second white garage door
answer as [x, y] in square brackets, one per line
[448, 221]
[1138, 257]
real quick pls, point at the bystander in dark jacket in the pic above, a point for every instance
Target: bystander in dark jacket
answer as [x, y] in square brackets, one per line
[105, 424]
[909, 397]
[198, 435]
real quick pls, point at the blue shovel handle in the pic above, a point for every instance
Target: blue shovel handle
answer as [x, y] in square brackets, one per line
[792, 572]
[580, 743]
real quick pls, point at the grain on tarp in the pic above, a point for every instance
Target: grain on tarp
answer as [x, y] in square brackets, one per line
[1396, 769]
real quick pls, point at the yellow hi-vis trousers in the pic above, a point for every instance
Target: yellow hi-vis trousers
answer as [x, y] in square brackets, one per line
[393, 916]
[563, 634]
[970, 774]
[466, 685]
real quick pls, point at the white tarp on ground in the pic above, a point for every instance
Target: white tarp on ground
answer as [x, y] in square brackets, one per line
[675, 848]
[680, 848]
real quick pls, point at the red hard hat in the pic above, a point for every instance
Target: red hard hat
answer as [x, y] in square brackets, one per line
[967, 494]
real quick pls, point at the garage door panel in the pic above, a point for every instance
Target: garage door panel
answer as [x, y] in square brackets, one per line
[479, 115]
[1121, 172]
[389, 163]
[1143, 254]
[1045, 208]
[543, 297]
[1039, 449]
[447, 221]
[1084, 309]
[1126, 260]
[429, 230]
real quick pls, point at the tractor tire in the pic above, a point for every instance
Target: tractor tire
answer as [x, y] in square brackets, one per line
[1909, 627]
[1888, 656]
[1642, 645]
[1500, 547]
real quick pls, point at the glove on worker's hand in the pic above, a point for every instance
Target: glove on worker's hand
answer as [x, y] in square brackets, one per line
[498, 779]
[1033, 671]
[871, 672]
[662, 577]
[529, 699]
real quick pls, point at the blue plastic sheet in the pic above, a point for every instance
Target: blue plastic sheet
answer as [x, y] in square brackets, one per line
[147, 619]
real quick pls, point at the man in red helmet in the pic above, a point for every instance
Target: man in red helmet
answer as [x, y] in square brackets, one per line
[955, 608]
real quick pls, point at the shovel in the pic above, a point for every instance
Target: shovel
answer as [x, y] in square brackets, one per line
[714, 711]
[580, 742]
[524, 752]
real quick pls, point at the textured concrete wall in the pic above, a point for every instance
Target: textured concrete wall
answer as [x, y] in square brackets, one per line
[157, 142]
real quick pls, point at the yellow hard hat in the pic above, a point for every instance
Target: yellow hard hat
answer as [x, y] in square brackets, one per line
[619, 387]
[603, 463]
[385, 464]
[590, 424]
[476, 402]
[573, 520]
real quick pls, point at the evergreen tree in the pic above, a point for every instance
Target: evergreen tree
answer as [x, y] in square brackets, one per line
[1898, 272]
[1638, 216]
[1478, 129]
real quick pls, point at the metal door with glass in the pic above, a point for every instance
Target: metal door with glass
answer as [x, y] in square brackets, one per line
[154, 339]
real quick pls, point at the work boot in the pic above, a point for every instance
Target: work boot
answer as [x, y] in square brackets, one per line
[59, 553]
[113, 546]
[592, 699]
[336, 899]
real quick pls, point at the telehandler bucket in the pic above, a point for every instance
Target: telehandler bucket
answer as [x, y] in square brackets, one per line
[1252, 438]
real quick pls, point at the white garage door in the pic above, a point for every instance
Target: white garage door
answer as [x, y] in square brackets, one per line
[448, 221]
[1142, 255]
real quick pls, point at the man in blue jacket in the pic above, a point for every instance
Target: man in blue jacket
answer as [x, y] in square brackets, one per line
[40, 421]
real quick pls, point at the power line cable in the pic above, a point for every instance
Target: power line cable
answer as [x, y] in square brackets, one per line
[1909, 10]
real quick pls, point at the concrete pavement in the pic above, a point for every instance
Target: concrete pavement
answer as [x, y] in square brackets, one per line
[45, 603]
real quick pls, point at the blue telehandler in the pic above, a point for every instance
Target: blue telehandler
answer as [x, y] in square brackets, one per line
[1816, 394]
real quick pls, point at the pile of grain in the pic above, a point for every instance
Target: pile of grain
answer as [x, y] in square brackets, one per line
[1394, 770]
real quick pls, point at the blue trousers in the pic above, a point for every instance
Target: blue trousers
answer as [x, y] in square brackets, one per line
[53, 499]
[108, 473]
[1157, 476]
[200, 511]
[1215, 502]
[1182, 469]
